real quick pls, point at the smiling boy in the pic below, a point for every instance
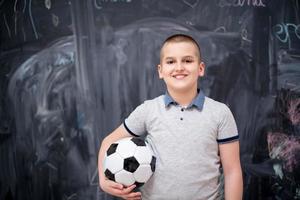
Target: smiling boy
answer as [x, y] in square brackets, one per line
[192, 135]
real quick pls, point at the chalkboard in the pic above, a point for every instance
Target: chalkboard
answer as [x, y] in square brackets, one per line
[71, 71]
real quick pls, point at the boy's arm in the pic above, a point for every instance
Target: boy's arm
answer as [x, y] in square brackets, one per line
[230, 159]
[113, 188]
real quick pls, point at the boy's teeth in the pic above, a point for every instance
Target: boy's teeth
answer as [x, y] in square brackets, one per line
[179, 76]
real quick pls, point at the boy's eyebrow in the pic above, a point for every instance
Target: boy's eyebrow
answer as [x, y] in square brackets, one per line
[188, 56]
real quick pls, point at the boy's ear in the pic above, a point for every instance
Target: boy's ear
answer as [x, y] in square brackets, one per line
[159, 71]
[201, 69]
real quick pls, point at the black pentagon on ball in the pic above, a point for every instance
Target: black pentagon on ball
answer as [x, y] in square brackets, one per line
[131, 164]
[138, 184]
[109, 175]
[112, 149]
[152, 164]
[138, 141]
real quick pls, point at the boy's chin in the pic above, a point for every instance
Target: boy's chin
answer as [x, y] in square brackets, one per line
[181, 89]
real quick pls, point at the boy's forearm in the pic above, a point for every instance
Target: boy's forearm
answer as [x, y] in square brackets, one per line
[104, 146]
[234, 186]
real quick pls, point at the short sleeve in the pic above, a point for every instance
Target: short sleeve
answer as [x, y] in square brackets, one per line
[227, 129]
[135, 123]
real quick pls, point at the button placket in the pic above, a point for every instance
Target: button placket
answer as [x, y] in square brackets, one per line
[182, 109]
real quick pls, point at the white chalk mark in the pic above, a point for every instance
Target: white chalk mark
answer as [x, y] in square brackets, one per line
[93, 179]
[6, 24]
[260, 4]
[15, 6]
[32, 22]
[16, 19]
[220, 29]
[190, 23]
[241, 3]
[24, 8]
[48, 4]
[98, 7]
[55, 20]
[16, 16]
[295, 88]
[244, 35]
[222, 4]
[192, 5]
[70, 197]
[51, 166]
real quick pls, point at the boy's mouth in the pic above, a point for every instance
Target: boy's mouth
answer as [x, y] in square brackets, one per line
[179, 76]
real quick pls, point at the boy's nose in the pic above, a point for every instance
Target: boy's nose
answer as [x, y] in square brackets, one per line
[179, 66]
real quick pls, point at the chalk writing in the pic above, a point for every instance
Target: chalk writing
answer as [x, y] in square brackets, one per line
[244, 32]
[240, 3]
[97, 5]
[244, 35]
[283, 31]
[220, 29]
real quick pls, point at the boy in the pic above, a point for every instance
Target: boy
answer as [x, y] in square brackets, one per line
[190, 133]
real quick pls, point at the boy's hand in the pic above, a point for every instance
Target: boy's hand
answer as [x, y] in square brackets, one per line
[117, 189]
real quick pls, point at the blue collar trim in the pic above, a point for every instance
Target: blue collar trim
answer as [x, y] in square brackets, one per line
[197, 102]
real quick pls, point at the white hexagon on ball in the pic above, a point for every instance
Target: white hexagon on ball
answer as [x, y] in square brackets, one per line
[143, 173]
[126, 148]
[124, 177]
[143, 155]
[114, 163]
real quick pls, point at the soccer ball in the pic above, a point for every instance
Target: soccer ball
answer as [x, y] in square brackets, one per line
[129, 161]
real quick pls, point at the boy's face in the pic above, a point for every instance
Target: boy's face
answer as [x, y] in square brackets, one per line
[180, 66]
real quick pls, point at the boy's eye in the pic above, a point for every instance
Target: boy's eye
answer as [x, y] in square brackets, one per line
[188, 61]
[170, 62]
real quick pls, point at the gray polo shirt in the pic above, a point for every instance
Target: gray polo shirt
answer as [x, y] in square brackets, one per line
[185, 141]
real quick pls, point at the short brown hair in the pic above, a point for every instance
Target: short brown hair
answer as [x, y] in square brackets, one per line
[181, 38]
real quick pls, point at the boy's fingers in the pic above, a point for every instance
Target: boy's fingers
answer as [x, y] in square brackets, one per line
[121, 191]
[115, 192]
[133, 196]
[115, 185]
[129, 189]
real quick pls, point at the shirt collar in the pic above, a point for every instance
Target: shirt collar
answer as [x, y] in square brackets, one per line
[197, 102]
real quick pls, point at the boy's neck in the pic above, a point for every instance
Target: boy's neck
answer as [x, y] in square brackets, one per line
[183, 98]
